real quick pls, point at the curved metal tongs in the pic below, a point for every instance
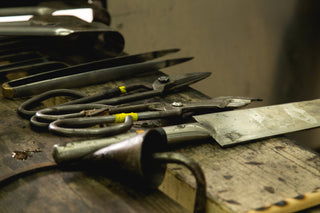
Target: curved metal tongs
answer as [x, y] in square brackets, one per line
[142, 158]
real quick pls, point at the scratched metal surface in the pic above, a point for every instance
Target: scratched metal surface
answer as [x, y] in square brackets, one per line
[234, 127]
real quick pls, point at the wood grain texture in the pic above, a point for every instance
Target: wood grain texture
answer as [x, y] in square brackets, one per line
[251, 176]
[64, 191]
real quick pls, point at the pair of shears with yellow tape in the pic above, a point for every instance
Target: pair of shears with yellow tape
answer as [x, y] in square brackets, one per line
[124, 121]
[79, 107]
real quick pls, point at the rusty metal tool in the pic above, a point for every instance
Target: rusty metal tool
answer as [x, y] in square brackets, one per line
[109, 96]
[75, 126]
[153, 110]
[160, 87]
[89, 73]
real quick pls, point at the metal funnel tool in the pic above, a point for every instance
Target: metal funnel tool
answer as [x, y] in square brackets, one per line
[141, 158]
[134, 156]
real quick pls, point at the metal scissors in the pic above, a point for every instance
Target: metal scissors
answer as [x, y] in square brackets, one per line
[78, 126]
[160, 87]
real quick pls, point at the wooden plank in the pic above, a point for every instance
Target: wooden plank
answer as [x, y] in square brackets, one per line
[250, 176]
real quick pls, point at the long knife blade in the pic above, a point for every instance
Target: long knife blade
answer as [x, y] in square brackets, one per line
[234, 127]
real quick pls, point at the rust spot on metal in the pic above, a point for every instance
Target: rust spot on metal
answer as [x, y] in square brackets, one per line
[233, 135]
[95, 112]
[23, 155]
[254, 163]
[20, 155]
[269, 189]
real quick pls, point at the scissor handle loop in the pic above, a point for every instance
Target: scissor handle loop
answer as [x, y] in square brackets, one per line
[77, 126]
[51, 114]
[44, 117]
[25, 109]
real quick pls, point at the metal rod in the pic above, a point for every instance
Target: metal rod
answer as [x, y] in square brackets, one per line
[200, 198]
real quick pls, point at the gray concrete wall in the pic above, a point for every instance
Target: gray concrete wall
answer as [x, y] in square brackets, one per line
[267, 48]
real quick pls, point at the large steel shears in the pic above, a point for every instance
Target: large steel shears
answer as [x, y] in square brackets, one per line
[79, 107]
[79, 126]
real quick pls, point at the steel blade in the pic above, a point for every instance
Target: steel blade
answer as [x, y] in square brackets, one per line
[234, 127]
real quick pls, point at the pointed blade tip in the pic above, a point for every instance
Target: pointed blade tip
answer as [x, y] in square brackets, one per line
[167, 51]
[201, 74]
[184, 59]
[178, 60]
[173, 50]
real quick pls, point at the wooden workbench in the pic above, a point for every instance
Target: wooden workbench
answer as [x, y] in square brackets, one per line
[239, 179]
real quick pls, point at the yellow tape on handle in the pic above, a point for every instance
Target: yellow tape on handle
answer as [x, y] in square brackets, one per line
[121, 116]
[123, 89]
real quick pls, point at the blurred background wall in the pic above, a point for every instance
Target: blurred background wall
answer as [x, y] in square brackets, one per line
[267, 49]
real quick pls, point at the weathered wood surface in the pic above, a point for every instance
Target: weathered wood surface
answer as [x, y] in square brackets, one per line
[250, 176]
[239, 179]
[57, 191]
